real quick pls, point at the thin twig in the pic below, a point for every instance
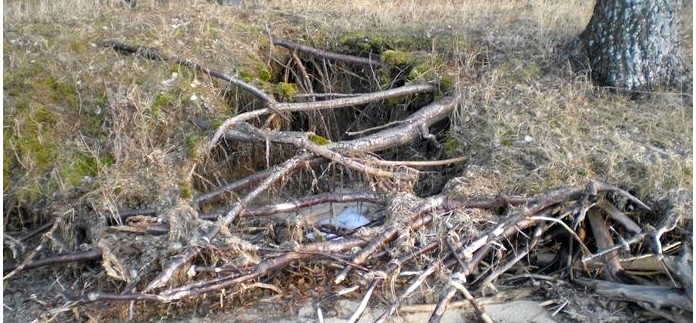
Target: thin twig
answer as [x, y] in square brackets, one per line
[479, 309]
[428, 163]
[328, 55]
[363, 304]
[570, 231]
[59, 259]
[28, 260]
[224, 222]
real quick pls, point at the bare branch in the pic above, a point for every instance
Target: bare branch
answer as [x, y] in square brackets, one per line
[154, 54]
[320, 105]
[600, 231]
[223, 222]
[657, 296]
[360, 61]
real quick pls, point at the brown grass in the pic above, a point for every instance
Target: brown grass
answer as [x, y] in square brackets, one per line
[528, 122]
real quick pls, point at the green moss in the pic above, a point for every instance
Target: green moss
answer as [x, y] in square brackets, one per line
[62, 91]
[185, 190]
[319, 140]
[81, 166]
[363, 42]
[286, 90]
[162, 100]
[78, 46]
[45, 111]
[217, 123]
[386, 77]
[428, 68]
[518, 70]
[30, 148]
[263, 73]
[191, 144]
[530, 72]
[174, 68]
[36, 138]
[417, 72]
[394, 57]
[31, 84]
[451, 147]
[445, 84]
[246, 76]
[213, 29]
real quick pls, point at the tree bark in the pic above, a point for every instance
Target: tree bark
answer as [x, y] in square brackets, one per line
[636, 44]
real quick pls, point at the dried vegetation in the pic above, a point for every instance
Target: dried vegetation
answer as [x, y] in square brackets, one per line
[129, 163]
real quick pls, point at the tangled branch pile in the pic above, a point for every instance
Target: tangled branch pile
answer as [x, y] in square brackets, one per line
[451, 242]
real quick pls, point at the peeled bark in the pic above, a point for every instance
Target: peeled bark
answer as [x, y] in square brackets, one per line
[635, 44]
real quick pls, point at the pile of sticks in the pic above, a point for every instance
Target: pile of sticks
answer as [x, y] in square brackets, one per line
[471, 262]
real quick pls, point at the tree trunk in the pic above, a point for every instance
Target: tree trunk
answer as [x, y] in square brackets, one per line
[635, 44]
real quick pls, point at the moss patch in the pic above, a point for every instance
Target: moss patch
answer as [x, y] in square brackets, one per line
[319, 140]
[286, 90]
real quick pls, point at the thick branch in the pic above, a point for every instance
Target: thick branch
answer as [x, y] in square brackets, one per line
[301, 140]
[600, 231]
[657, 296]
[321, 105]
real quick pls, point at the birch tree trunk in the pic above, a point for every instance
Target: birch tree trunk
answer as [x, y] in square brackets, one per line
[636, 44]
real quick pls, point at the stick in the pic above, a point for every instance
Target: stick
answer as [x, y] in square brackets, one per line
[363, 304]
[428, 163]
[223, 222]
[602, 236]
[320, 105]
[27, 261]
[479, 309]
[535, 240]
[59, 259]
[307, 201]
[657, 296]
[360, 61]
[441, 307]
[154, 54]
[419, 217]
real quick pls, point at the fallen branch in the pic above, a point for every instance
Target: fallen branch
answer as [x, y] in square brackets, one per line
[612, 269]
[307, 202]
[417, 164]
[319, 105]
[657, 296]
[154, 54]
[28, 259]
[59, 259]
[458, 284]
[302, 140]
[360, 61]
[223, 222]
[247, 181]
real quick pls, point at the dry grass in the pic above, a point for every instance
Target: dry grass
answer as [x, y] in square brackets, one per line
[133, 127]
[86, 126]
